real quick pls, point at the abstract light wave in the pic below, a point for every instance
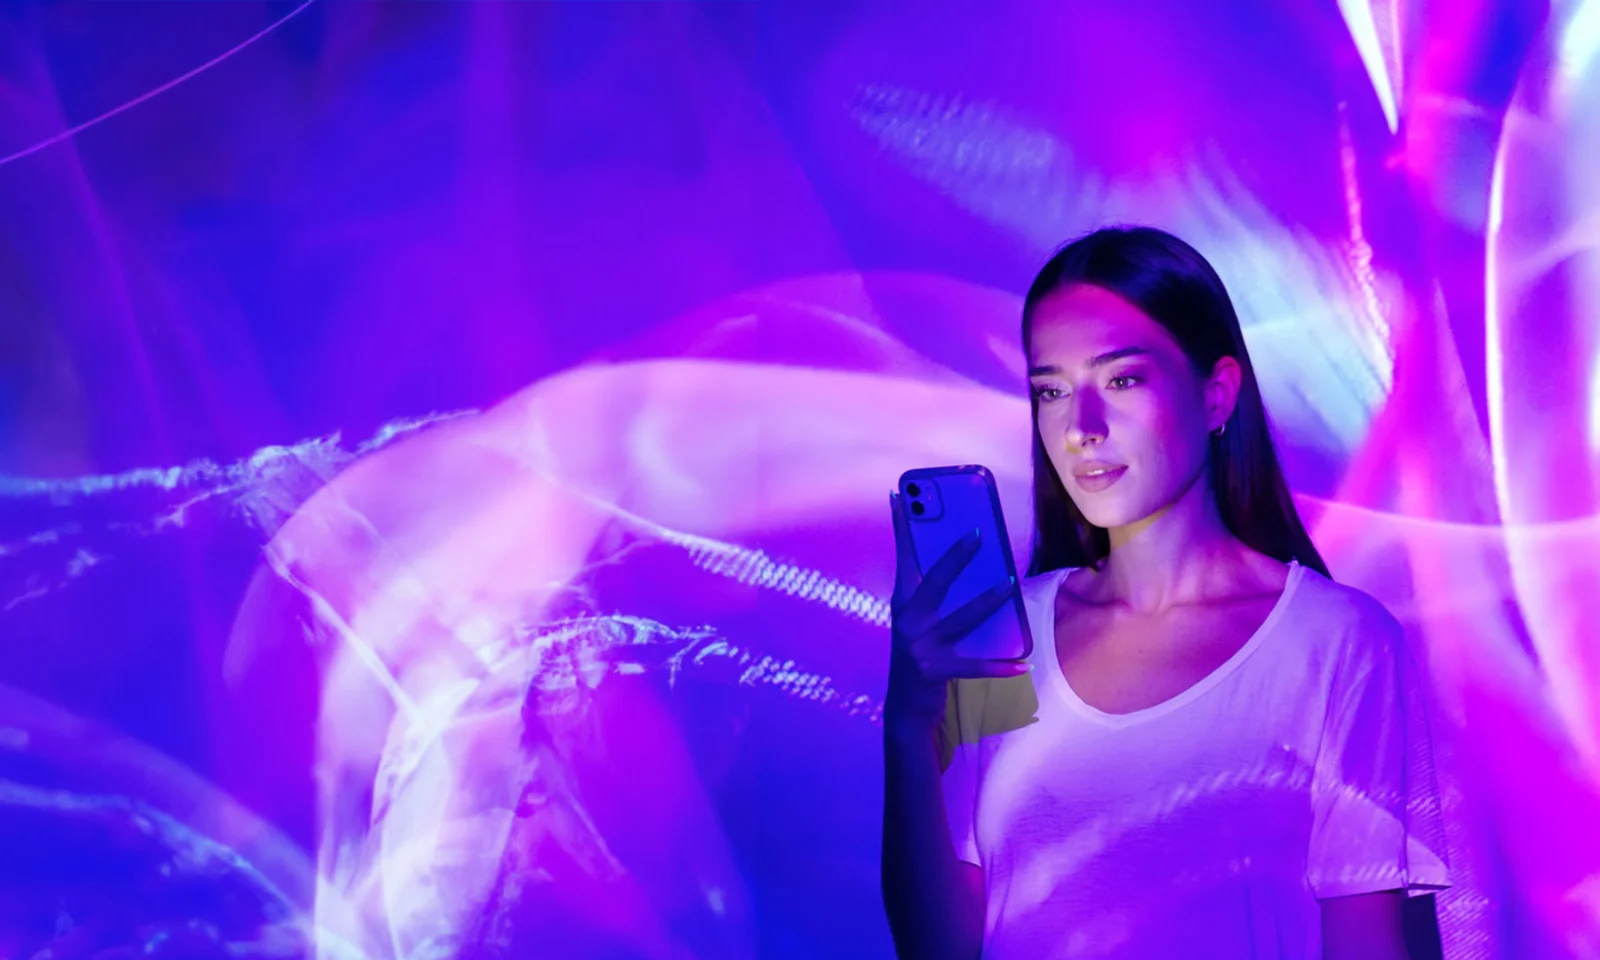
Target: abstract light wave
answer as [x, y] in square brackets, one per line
[589, 664]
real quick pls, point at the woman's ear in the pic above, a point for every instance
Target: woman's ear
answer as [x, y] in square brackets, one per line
[1222, 391]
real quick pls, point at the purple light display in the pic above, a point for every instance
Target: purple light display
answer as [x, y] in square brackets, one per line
[445, 445]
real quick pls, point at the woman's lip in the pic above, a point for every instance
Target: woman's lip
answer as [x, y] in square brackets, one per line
[1095, 482]
[1099, 468]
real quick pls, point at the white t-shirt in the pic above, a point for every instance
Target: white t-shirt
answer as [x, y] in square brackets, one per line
[1209, 824]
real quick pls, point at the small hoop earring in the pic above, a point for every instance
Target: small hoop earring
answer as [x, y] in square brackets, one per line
[1220, 430]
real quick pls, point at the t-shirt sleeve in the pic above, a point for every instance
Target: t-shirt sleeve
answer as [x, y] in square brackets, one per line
[1376, 822]
[959, 760]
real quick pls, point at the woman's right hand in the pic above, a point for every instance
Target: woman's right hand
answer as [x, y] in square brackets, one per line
[922, 657]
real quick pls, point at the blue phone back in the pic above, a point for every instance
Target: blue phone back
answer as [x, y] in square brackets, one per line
[942, 504]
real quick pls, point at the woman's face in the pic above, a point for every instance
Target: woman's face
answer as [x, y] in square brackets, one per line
[1123, 414]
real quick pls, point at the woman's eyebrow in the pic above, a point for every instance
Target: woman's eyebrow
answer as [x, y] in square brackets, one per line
[1099, 360]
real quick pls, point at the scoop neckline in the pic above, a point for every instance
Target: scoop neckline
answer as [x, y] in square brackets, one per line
[1063, 688]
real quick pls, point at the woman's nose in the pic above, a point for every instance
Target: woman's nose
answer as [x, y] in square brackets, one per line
[1085, 420]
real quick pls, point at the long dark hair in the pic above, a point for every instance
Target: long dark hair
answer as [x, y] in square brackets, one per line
[1172, 284]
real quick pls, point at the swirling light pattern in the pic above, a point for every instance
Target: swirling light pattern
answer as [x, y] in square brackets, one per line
[641, 309]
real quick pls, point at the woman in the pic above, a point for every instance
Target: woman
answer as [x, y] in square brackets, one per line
[1213, 750]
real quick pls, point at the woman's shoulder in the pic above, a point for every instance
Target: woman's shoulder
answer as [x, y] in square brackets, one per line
[1343, 613]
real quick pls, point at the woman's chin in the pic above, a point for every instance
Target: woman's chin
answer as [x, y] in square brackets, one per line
[1110, 515]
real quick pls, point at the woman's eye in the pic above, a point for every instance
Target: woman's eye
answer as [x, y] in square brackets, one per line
[1122, 382]
[1046, 393]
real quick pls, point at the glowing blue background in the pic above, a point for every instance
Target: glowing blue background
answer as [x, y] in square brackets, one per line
[447, 442]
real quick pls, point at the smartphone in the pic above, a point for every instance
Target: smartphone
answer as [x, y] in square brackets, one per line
[944, 503]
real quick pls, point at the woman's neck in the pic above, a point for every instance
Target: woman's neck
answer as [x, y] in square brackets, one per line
[1180, 555]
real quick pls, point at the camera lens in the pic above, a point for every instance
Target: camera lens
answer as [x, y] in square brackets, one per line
[917, 508]
[913, 490]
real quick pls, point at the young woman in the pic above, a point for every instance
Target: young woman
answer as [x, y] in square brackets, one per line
[1214, 750]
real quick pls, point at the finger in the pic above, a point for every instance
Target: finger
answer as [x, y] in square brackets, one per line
[974, 668]
[907, 573]
[937, 581]
[969, 615]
